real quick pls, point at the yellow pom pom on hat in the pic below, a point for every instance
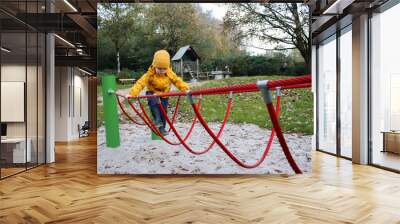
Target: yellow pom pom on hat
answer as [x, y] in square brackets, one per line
[161, 59]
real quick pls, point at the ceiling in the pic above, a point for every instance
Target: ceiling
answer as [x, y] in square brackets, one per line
[73, 21]
[205, 1]
[329, 15]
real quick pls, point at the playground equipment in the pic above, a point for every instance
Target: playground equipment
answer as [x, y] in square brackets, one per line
[110, 111]
[186, 62]
[265, 87]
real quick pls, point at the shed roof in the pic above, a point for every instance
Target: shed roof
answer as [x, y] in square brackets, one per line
[186, 50]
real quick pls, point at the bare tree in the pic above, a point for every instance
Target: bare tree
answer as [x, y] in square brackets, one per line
[283, 26]
[174, 24]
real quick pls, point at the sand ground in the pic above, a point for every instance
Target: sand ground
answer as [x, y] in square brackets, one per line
[138, 154]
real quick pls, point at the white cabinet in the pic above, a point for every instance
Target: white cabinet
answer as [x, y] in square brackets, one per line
[18, 149]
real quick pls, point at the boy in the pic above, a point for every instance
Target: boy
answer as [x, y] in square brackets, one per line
[158, 80]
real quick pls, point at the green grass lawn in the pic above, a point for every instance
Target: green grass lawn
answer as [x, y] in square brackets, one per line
[119, 86]
[296, 106]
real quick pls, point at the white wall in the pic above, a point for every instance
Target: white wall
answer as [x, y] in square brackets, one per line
[80, 94]
[16, 73]
[62, 81]
[71, 87]
[12, 73]
[33, 127]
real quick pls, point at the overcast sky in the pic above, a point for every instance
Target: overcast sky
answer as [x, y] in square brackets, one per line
[218, 11]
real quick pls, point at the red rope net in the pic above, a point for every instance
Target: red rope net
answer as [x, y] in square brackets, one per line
[298, 82]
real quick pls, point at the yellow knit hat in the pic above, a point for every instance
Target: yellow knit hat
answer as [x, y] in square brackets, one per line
[161, 59]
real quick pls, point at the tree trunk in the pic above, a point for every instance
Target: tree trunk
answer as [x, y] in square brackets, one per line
[118, 63]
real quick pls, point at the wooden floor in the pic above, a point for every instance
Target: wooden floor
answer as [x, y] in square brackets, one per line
[387, 159]
[5, 172]
[70, 191]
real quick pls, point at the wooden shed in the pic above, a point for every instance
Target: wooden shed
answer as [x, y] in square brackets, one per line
[186, 62]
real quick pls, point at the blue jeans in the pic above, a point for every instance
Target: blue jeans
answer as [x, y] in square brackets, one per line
[158, 117]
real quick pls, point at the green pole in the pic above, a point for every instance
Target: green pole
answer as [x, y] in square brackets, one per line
[110, 111]
[154, 136]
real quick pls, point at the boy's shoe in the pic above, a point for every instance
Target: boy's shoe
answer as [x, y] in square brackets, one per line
[159, 125]
[156, 116]
[162, 131]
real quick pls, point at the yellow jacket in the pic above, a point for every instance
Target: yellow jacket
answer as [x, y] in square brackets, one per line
[158, 83]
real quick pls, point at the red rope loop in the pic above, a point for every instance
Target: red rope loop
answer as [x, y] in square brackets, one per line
[298, 82]
[183, 141]
[126, 113]
[175, 111]
[226, 150]
[157, 132]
